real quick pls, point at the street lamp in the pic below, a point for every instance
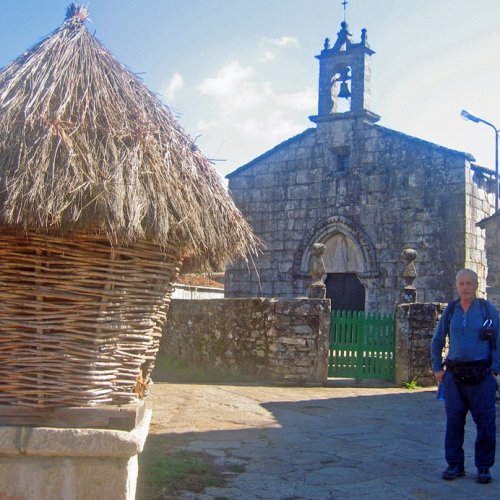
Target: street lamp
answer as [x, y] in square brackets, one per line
[467, 116]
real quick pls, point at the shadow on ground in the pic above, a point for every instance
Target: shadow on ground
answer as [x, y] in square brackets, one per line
[310, 443]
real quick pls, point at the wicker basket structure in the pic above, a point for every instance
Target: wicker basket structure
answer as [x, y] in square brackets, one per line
[80, 320]
[103, 196]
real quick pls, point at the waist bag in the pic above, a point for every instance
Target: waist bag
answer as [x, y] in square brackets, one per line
[469, 372]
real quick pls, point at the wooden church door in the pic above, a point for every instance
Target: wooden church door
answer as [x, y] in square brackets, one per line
[346, 292]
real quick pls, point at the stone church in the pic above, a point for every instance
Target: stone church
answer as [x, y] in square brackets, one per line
[367, 192]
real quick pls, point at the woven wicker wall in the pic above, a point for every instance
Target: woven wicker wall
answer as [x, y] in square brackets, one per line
[80, 320]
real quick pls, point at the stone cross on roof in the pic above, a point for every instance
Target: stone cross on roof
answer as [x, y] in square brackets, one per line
[344, 3]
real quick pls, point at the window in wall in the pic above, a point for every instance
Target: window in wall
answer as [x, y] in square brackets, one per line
[339, 160]
[342, 162]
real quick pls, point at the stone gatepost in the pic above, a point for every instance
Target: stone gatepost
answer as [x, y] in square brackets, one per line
[46, 463]
[415, 326]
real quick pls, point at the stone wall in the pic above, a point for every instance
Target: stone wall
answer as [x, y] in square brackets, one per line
[492, 228]
[279, 341]
[416, 324]
[383, 190]
[479, 203]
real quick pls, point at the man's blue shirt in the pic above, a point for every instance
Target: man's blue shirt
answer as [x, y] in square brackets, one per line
[465, 343]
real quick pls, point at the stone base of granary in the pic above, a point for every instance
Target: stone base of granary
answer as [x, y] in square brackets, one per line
[45, 463]
[123, 417]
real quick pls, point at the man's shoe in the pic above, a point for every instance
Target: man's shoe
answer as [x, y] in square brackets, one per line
[483, 475]
[453, 471]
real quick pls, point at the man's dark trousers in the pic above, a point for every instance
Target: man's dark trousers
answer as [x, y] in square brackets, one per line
[480, 400]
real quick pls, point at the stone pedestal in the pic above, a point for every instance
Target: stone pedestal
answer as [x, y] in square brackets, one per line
[44, 463]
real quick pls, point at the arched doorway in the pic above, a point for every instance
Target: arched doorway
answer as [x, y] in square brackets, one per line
[343, 262]
[350, 262]
[345, 291]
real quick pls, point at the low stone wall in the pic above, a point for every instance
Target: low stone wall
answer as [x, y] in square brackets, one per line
[416, 324]
[275, 340]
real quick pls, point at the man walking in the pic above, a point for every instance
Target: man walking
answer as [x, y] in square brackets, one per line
[469, 381]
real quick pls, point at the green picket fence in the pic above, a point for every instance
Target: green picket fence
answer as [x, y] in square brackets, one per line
[362, 345]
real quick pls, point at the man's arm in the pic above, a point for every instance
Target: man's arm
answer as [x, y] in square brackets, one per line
[438, 341]
[495, 353]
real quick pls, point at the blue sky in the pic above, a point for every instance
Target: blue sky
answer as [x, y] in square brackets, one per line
[241, 74]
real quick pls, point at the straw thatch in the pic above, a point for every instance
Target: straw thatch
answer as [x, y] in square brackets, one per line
[102, 198]
[85, 145]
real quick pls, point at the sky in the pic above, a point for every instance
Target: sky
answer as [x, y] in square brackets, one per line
[241, 75]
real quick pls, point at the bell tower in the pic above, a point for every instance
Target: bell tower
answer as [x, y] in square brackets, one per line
[344, 78]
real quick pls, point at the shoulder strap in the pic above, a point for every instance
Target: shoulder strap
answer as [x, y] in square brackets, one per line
[487, 321]
[485, 309]
[448, 314]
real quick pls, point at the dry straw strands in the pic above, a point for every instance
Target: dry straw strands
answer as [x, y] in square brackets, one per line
[102, 198]
[84, 143]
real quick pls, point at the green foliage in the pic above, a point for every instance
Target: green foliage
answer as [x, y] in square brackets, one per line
[411, 384]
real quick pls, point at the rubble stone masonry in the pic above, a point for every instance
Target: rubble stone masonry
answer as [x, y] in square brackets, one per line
[416, 324]
[279, 341]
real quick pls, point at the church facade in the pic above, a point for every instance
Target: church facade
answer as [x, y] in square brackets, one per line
[365, 191]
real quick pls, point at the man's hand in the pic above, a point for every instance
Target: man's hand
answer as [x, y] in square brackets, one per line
[438, 376]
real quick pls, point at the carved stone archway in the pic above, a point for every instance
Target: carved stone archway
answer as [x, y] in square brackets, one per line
[348, 250]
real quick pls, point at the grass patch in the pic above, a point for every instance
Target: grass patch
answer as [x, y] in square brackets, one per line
[161, 476]
[170, 369]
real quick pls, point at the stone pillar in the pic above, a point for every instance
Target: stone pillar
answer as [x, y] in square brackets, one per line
[415, 326]
[45, 463]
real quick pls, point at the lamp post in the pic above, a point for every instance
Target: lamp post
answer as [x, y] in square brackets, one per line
[467, 116]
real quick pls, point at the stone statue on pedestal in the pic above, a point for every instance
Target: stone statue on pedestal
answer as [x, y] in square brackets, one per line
[317, 289]
[409, 276]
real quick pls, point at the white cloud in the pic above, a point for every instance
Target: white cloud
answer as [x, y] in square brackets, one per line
[303, 100]
[175, 84]
[235, 88]
[284, 41]
[268, 46]
[247, 111]
[268, 56]
[228, 79]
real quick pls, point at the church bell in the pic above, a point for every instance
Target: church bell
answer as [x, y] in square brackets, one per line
[344, 90]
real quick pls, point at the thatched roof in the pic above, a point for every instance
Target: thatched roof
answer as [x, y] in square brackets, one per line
[85, 145]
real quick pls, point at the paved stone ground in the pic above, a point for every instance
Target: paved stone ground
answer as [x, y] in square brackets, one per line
[316, 443]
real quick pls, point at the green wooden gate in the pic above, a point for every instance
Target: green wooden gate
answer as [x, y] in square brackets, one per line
[362, 345]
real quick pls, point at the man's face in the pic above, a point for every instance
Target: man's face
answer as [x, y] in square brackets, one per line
[466, 287]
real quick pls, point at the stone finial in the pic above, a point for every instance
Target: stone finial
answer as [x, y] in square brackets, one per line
[409, 275]
[317, 289]
[326, 46]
